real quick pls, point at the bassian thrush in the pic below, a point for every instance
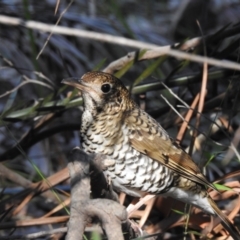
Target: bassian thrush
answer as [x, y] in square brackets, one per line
[146, 159]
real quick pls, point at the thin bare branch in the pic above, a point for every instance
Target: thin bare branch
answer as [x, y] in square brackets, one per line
[110, 213]
[36, 235]
[202, 96]
[233, 148]
[27, 80]
[155, 51]
[175, 95]
[24, 83]
[171, 106]
[51, 33]
[187, 119]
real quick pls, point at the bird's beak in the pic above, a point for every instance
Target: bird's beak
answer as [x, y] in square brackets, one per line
[74, 82]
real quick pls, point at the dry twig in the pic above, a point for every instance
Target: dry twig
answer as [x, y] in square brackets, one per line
[83, 209]
[155, 51]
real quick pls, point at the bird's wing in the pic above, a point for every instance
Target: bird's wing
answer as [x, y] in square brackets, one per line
[149, 138]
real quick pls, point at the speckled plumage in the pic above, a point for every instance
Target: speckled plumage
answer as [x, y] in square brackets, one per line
[145, 158]
[132, 170]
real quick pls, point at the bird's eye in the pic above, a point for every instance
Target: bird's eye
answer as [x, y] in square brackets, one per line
[106, 88]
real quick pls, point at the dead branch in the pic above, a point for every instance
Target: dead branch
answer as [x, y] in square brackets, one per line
[83, 209]
[155, 50]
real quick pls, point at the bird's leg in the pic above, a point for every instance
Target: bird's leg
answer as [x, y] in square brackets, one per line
[134, 207]
[122, 197]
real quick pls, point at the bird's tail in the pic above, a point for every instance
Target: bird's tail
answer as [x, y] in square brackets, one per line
[233, 231]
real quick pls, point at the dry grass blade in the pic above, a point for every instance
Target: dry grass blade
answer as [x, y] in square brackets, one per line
[59, 19]
[28, 81]
[62, 205]
[39, 188]
[188, 116]
[233, 149]
[34, 222]
[203, 93]
[57, 6]
[36, 235]
[7, 173]
[134, 207]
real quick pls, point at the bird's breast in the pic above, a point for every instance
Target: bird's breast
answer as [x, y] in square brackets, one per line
[132, 172]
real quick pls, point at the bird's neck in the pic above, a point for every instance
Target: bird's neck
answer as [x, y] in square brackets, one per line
[110, 114]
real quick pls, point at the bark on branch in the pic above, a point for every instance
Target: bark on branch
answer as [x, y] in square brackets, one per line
[83, 209]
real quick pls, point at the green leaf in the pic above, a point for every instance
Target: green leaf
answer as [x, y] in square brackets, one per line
[146, 87]
[221, 187]
[148, 71]
[125, 68]
[32, 111]
[61, 89]
[194, 232]
[121, 17]
[95, 236]
[218, 33]
[99, 65]
[178, 212]
[46, 99]
[21, 113]
[210, 157]
[73, 94]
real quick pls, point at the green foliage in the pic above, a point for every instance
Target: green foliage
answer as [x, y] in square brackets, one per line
[178, 212]
[221, 187]
[128, 65]
[99, 65]
[149, 70]
[95, 236]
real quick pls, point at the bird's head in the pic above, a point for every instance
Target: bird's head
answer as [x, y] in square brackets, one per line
[100, 91]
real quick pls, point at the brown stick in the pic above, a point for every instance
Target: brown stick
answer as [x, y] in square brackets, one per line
[83, 209]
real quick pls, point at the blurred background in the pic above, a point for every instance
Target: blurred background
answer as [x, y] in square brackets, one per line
[40, 118]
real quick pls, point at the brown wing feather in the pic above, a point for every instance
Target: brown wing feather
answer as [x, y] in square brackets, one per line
[234, 231]
[149, 138]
